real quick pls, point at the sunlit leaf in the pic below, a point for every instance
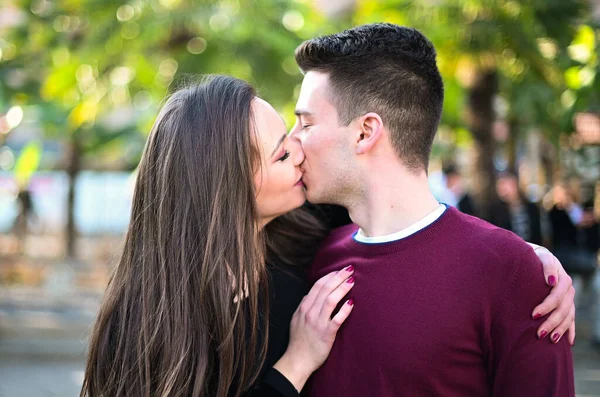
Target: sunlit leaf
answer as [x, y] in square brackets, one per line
[28, 162]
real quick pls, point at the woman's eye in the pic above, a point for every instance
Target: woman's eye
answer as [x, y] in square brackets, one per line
[285, 156]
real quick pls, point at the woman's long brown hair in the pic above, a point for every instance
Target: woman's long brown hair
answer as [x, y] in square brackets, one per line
[171, 322]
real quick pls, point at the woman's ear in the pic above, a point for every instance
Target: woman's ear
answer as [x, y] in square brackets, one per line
[371, 130]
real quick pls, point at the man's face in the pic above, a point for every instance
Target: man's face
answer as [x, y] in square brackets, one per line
[327, 146]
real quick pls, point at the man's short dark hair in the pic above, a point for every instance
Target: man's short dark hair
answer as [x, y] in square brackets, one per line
[387, 69]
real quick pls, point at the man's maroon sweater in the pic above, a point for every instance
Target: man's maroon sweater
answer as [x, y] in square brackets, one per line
[443, 312]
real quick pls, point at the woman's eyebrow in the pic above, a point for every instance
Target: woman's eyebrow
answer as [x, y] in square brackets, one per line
[279, 142]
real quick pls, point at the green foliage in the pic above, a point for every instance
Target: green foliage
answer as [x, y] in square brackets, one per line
[97, 70]
[28, 162]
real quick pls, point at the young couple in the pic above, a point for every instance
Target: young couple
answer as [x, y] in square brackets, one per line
[211, 298]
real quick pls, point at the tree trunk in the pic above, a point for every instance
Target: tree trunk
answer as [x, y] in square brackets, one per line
[513, 136]
[550, 162]
[73, 168]
[481, 120]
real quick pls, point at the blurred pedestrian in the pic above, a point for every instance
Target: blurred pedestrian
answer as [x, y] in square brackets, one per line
[514, 212]
[456, 193]
[24, 218]
[590, 228]
[568, 238]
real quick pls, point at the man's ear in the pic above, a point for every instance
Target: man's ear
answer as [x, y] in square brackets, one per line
[371, 130]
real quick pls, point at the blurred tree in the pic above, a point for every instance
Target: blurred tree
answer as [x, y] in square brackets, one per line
[96, 70]
[93, 72]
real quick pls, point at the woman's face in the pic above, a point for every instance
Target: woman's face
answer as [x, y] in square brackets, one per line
[278, 182]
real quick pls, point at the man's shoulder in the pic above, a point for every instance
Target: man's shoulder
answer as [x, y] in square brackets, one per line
[334, 247]
[488, 240]
[338, 235]
[337, 240]
[503, 260]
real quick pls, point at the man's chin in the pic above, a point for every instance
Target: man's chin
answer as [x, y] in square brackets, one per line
[313, 198]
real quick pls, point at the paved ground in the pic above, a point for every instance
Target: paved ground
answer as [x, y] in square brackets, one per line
[26, 378]
[587, 371]
[587, 360]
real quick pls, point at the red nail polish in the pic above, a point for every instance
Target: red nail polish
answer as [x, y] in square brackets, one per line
[543, 334]
[537, 315]
[350, 268]
[552, 281]
[351, 302]
[555, 337]
[350, 280]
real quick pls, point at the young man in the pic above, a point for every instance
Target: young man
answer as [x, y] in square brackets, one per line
[442, 300]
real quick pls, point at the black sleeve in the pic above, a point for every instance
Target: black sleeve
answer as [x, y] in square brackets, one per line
[274, 384]
[333, 216]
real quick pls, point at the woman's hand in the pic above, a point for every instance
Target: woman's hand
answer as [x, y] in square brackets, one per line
[313, 329]
[560, 302]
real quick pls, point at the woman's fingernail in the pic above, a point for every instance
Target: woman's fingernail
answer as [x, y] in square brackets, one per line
[537, 315]
[551, 281]
[555, 337]
[350, 268]
[351, 302]
[350, 280]
[543, 334]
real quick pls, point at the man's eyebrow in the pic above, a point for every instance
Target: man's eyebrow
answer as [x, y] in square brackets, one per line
[279, 142]
[302, 112]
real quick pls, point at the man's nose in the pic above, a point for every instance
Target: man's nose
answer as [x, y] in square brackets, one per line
[295, 136]
[297, 152]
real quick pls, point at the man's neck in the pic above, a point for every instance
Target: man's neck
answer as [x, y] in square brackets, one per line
[392, 201]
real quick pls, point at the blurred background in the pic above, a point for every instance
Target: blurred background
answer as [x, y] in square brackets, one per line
[81, 82]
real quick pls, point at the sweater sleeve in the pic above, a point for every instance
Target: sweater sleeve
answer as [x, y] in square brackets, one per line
[523, 365]
[274, 384]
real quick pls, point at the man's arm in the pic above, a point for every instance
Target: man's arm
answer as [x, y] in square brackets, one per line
[522, 364]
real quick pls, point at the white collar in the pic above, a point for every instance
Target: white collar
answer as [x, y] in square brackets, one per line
[412, 229]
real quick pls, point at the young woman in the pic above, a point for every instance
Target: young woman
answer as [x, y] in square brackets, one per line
[209, 297]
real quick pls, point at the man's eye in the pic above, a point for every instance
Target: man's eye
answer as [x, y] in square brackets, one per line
[285, 156]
